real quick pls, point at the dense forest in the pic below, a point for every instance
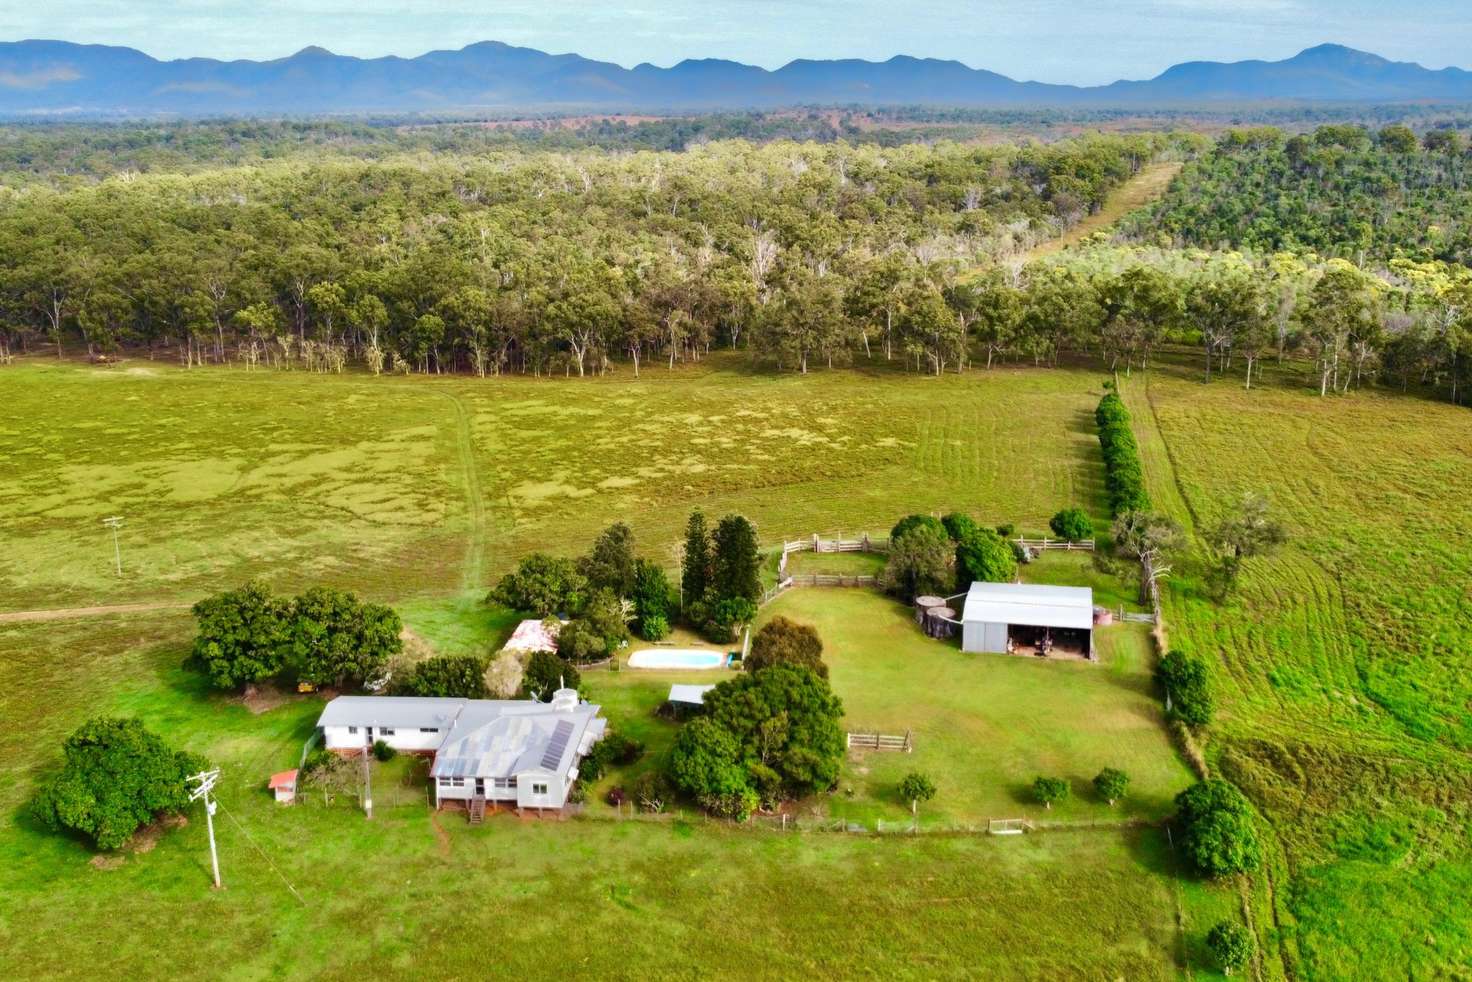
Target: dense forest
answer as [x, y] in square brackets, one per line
[1340, 191]
[542, 261]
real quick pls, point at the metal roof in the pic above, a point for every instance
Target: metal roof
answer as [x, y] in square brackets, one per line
[391, 711]
[693, 695]
[1030, 604]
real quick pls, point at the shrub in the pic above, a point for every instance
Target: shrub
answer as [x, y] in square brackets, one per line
[542, 585]
[383, 751]
[1232, 945]
[1187, 689]
[614, 749]
[1111, 784]
[726, 616]
[652, 792]
[959, 525]
[1072, 524]
[115, 776]
[1049, 789]
[984, 556]
[1219, 837]
[784, 641]
[919, 562]
[654, 627]
[546, 672]
[445, 676]
[1007, 531]
[615, 796]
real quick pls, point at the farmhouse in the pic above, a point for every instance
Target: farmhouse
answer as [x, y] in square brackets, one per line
[1023, 618]
[512, 751]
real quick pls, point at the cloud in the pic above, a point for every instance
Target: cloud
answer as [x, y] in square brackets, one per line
[40, 78]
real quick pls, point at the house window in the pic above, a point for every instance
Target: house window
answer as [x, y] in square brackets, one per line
[505, 782]
[457, 782]
[352, 729]
[538, 788]
[444, 782]
[385, 731]
[429, 729]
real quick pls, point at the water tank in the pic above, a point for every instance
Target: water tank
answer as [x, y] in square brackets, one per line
[564, 700]
[923, 605]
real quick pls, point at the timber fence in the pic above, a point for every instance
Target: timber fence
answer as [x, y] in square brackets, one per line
[1062, 545]
[882, 741]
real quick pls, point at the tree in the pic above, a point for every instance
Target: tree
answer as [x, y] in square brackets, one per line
[736, 563]
[695, 564]
[1150, 538]
[336, 639]
[242, 635]
[546, 673]
[919, 563]
[115, 776]
[915, 788]
[610, 565]
[770, 734]
[1187, 688]
[653, 600]
[1249, 530]
[1072, 524]
[1398, 138]
[984, 556]
[1230, 942]
[958, 525]
[1047, 790]
[1111, 784]
[1343, 313]
[597, 632]
[1219, 837]
[542, 585]
[916, 521]
[445, 676]
[786, 642]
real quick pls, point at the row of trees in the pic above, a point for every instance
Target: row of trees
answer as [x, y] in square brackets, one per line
[321, 637]
[538, 261]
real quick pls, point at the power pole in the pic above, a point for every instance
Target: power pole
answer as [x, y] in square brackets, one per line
[115, 523]
[207, 781]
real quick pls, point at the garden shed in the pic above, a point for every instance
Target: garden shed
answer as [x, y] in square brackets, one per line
[1028, 619]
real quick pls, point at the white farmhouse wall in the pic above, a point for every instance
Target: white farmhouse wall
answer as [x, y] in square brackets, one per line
[403, 738]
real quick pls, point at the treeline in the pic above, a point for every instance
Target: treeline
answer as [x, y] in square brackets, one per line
[1124, 474]
[541, 262]
[1343, 191]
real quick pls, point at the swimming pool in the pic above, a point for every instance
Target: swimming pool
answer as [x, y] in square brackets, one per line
[677, 658]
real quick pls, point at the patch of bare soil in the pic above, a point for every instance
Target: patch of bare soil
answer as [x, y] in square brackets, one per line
[415, 647]
[441, 837]
[264, 698]
[106, 861]
[147, 837]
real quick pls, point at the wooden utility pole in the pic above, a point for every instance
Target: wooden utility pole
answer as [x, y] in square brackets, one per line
[207, 781]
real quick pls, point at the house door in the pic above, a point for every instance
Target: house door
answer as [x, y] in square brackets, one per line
[480, 787]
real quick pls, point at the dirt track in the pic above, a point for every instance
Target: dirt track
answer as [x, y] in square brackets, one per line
[67, 613]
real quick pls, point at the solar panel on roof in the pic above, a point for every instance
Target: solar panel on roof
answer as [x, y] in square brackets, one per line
[560, 735]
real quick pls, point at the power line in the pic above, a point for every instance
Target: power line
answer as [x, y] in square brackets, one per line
[263, 854]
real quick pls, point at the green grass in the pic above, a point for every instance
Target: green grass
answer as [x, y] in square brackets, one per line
[986, 725]
[304, 478]
[1343, 664]
[835, 563]
[399, 895]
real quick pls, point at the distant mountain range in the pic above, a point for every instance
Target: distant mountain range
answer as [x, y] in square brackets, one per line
[57, 77]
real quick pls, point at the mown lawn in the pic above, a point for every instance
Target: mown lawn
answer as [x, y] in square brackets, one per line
[1342, 665]
[409, 895]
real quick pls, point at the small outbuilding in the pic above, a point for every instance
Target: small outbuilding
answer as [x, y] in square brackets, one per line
[1024, 618]
[688, 695]
[283, 786]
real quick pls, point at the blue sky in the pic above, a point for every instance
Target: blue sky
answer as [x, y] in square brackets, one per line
[1083, 41]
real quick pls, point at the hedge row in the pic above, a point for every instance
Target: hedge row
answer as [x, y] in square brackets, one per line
[1124, 478]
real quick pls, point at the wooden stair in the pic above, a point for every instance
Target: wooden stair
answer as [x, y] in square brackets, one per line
[477, 810]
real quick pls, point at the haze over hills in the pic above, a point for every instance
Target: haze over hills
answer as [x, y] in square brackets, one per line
[56, 77]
